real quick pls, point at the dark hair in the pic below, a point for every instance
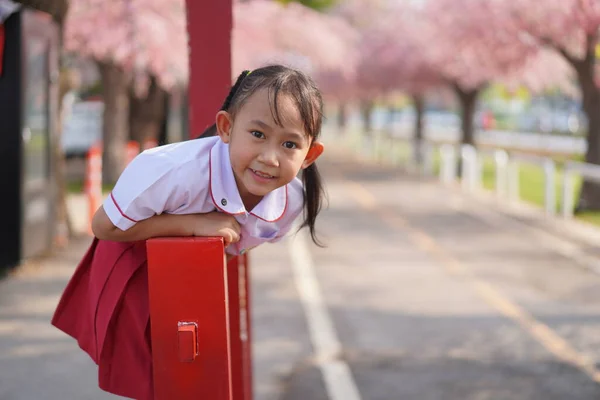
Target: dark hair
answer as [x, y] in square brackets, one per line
[279, 79]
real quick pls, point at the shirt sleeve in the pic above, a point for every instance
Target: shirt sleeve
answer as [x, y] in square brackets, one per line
[147, 187]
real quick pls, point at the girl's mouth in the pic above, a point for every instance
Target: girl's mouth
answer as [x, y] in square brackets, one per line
[261, 174]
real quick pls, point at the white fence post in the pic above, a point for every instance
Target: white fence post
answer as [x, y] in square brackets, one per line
[376, 145]
[469, 167]
[568, 188]
[550, 195]
[501, 171]
[447, 164]
[393, 151]
[513, 180]
[427, 158]
[423, 151]
[368, 142]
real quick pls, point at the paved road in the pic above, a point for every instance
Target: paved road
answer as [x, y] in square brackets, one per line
[435, 296]
[431, 295]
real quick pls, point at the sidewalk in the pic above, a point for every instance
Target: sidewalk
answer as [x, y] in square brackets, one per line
[36, 360]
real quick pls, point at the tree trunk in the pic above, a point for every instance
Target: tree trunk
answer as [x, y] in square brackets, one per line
[342, 116]
[589, 199]
[389, 122]
[115, 132]
[468, 101]
[163, 134]
[366, 107]
[419, 104]
[146, 115]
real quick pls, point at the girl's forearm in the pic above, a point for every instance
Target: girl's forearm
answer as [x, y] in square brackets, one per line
[156, 226]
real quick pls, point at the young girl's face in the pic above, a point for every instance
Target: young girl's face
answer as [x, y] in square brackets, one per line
[264, 155]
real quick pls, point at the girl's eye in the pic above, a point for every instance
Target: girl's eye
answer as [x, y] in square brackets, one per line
[290, 145]
[257, 134]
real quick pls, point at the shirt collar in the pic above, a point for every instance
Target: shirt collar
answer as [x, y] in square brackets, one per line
[225, 194]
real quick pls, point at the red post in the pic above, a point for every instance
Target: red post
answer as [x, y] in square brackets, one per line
[200, 320]
[240, 327]
[189, 314]
[199, 304]
[209, 28]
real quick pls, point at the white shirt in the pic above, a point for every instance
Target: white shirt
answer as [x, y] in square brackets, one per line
[196, 177]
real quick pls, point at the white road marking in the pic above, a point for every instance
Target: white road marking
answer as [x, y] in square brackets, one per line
[336, 373]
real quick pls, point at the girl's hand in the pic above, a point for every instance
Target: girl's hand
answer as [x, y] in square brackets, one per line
[217, 224]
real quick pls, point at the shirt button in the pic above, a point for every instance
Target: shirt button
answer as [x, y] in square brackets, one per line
[224, 202]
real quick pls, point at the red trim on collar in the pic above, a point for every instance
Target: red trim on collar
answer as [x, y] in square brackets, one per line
[119, 208]
[282, 213]
[210, 186]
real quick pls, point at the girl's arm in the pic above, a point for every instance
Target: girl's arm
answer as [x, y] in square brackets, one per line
[210, 224]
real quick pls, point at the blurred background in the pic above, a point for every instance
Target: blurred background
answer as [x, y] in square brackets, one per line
[504, 94]
[517, 75]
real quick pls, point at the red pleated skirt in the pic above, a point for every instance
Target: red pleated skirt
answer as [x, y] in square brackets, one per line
[105, 307]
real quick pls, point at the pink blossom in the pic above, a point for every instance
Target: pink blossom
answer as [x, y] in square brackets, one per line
[142, 36]
[267, 31]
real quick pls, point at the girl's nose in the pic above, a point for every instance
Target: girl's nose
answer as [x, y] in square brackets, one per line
[268, 157]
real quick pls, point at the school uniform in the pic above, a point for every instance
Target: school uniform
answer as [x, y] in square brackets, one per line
[105, 305]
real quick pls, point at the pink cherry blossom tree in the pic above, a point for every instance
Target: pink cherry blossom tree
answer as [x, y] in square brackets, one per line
[341, 88]
[394, 58]
[471, 47]
[147, 40]
[570, 28]
[419, 46]
[130, 39]
[266, 31]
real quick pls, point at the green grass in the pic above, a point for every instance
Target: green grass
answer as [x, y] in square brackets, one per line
[531, 183]
[590, 217]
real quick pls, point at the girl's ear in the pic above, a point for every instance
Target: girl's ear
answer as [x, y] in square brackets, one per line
[224, 124]
[316, 149]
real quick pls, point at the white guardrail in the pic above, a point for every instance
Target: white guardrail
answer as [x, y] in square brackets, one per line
[506, 170]
[402, 151]
[571, 168]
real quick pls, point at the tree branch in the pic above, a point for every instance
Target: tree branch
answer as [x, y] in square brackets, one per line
[546, 41]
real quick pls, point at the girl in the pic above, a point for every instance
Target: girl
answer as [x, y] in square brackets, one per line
[240, 184]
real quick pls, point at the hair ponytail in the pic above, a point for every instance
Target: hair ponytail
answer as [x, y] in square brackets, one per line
[212, 130]
[313, 200]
